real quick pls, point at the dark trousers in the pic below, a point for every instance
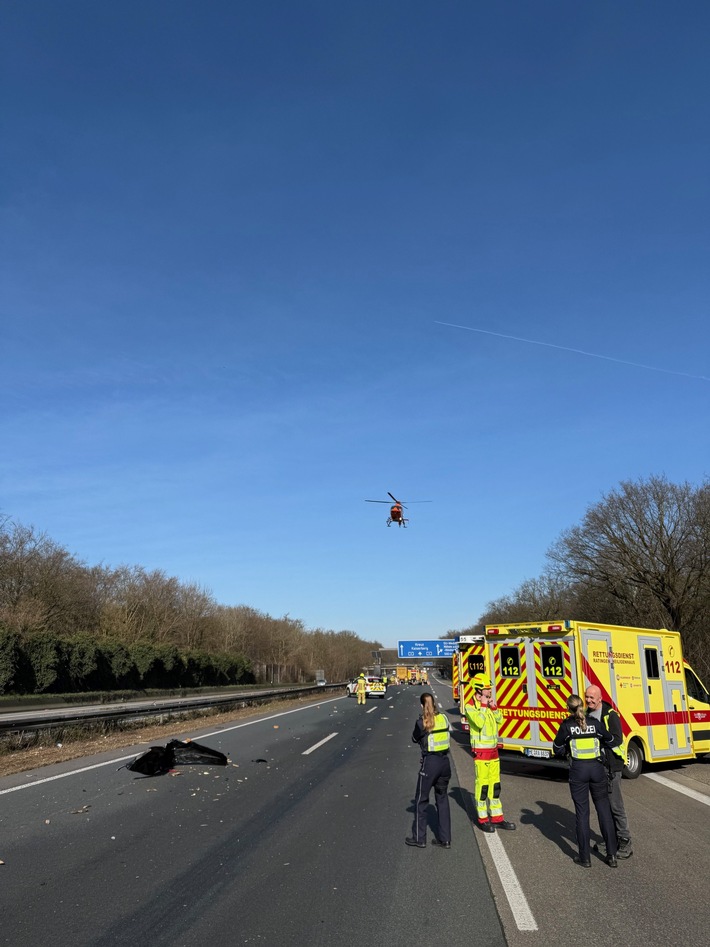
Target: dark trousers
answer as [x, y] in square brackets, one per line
[585, 777]
[434, 773]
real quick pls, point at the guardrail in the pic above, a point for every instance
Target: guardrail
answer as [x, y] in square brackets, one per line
[30, 721]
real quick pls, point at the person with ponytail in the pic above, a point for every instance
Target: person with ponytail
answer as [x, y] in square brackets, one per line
[432, 733]
[583, 739]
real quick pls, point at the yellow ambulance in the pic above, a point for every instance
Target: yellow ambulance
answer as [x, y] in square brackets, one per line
[536, 666]
[455, 676]
[471, 660]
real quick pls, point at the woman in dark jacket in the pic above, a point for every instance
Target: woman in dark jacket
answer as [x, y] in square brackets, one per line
[583, 739]
[431, 732]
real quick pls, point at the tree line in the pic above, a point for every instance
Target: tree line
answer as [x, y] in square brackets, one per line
[66, 626]
[640, 557]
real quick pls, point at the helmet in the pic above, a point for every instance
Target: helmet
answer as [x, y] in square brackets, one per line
[480, 681]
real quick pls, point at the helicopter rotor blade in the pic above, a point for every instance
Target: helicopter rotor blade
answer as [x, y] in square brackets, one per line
[393, 497]
[377, 501]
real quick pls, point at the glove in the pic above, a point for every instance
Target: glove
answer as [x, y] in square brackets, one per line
[492, 705]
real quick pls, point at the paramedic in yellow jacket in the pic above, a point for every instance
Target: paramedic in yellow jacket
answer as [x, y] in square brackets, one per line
[484, 719]
[361, 689]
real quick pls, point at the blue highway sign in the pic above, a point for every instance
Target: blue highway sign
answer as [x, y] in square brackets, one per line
[440, 648]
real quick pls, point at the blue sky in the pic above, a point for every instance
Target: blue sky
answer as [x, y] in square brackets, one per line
[230, 235]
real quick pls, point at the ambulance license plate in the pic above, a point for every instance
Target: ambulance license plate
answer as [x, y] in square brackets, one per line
[542, 754]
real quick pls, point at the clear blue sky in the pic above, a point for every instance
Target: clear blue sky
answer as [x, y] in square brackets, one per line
[230, 232]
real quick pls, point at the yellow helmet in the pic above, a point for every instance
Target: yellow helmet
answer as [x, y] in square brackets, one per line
[480, 681]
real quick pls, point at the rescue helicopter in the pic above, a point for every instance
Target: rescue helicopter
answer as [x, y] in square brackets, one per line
[397, 509]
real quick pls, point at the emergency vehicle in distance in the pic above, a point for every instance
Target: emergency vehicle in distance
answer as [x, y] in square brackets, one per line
[467, 662]
[374, 687]
[536, 666]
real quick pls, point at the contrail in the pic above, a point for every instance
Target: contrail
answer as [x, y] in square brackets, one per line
[564, 348]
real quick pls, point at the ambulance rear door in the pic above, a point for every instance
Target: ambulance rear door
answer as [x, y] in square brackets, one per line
[472, 661]
[534, 676]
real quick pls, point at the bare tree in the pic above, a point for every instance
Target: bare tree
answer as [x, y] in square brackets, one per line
[43, 587]
[644, 544]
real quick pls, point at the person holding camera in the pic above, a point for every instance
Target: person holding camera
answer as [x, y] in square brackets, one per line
[484, 719]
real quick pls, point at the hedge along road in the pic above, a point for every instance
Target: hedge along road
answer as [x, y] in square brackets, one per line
[300, 840]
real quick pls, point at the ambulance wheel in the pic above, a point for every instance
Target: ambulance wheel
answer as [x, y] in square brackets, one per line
[634, 763]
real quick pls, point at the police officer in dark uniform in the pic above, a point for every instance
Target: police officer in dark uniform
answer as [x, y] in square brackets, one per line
[583, 739]
[432, 733]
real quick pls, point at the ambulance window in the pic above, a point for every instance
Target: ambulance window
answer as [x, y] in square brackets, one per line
[553, 663]
[651, 663]
[476, 664]
[695, 688]
[509, 662]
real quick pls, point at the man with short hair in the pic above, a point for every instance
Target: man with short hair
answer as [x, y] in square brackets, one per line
[614, 759]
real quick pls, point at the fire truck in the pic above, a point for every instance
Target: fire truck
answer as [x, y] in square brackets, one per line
[471, 659]
[455, 676]
[536, 666]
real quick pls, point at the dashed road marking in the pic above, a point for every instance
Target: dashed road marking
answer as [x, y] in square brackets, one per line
[319, 743]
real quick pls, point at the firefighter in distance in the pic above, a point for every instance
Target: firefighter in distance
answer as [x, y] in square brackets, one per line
[484, 720]
[361, 689]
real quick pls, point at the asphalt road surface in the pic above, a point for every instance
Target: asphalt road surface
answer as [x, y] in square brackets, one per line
[300, 841]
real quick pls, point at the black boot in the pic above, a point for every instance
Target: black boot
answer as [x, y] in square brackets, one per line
[625, 850]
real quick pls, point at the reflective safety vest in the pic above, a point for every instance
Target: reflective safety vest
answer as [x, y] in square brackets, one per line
[585, 744]
[438, 739]
[619, 750]
[483, 726]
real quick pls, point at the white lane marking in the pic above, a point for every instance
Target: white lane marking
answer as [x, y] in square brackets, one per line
[74, 772]
[370, 710]
[692, 793]
[320, 743]
[522, 914]
[122, 759]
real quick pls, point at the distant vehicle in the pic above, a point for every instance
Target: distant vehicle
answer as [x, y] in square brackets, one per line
[320, 678]
[397, 509]
[374, 687]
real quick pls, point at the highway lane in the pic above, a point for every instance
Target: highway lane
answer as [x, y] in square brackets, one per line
[659, 894]
[304, 848]
[310, 848]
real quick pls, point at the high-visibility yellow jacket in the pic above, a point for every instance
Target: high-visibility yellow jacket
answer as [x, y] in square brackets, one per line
[483, 725]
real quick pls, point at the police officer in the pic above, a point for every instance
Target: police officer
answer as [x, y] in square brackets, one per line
[432, 733]
[583, 740]
[484, 720]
